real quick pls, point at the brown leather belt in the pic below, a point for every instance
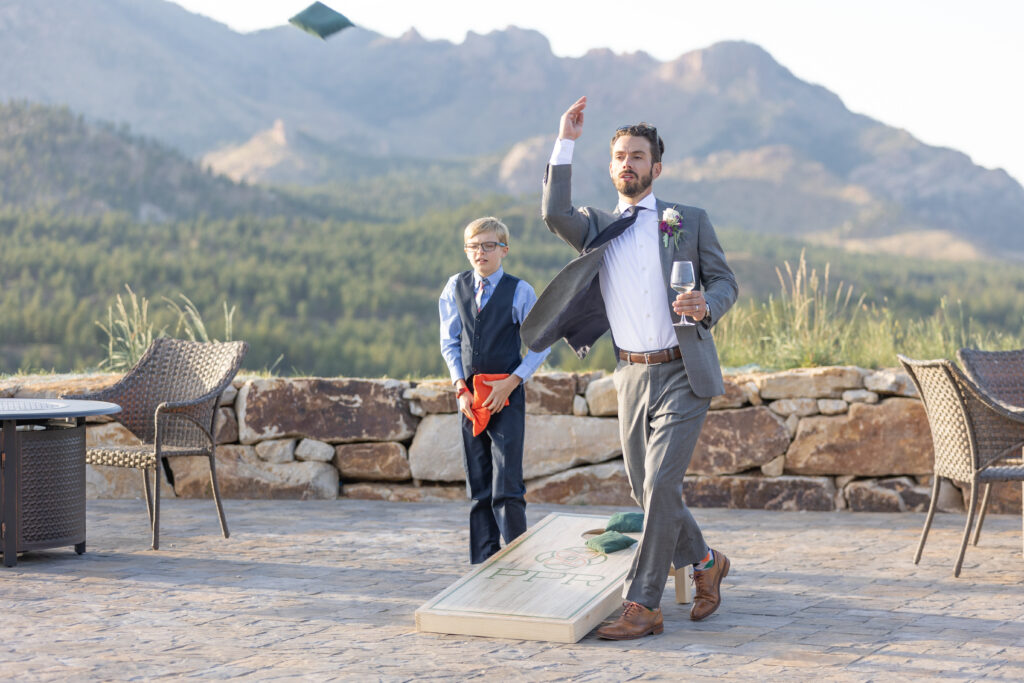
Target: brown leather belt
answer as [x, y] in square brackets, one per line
[651, 357]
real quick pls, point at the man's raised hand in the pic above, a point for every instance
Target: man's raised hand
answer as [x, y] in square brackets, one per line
[571, 125]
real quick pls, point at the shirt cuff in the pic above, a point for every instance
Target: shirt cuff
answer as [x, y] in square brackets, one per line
[562, 153]
[524, 372]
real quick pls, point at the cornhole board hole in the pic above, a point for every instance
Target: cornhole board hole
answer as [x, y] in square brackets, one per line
[545, 585]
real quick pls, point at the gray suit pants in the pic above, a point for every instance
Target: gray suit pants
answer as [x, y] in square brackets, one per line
[660, 419]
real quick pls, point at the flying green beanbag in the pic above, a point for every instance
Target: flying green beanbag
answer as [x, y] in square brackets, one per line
[626, 522]
[320, 20]
[610, 542]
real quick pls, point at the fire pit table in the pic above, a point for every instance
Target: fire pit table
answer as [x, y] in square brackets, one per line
[43, 473]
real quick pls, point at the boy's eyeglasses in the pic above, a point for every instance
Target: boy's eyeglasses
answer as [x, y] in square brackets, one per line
[486, 247]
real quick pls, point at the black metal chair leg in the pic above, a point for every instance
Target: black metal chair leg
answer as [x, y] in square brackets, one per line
[156, 508]
[149, 494]
[216, 498]
[981, 516]
[928, 519]
[967, 528]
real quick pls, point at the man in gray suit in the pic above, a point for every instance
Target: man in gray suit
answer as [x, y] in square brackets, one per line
[666, 374]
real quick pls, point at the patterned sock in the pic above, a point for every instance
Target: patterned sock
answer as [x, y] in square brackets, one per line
[707, 563]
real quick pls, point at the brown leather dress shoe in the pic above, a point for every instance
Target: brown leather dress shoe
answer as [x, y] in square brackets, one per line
[707, 596]
[636, 621]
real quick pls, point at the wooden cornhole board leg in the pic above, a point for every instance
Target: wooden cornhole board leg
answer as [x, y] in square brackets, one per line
[545, 585]
[684, 584]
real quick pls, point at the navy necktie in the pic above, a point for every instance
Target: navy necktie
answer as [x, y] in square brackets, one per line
[613, 230]
[480, 294]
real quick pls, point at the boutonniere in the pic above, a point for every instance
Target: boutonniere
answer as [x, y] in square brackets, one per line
[671, 225]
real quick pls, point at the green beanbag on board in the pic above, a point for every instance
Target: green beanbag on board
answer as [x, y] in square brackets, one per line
[610, 542]
[626, 522]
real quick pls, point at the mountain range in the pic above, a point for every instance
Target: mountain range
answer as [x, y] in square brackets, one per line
[54, 160]
[759, 148]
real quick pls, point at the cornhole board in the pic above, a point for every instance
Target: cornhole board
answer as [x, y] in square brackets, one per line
[545, 585]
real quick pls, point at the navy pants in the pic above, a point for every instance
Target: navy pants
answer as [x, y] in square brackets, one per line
[494, 478]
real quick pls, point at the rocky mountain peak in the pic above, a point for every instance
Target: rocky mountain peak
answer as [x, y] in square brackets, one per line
[734, 65]
[412, 36]
[511, 40]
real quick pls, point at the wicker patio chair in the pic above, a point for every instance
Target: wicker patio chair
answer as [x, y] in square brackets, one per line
[972, 433]
[169, 401]
[1001, 375]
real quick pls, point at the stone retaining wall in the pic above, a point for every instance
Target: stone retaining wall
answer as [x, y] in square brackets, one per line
[809, 439]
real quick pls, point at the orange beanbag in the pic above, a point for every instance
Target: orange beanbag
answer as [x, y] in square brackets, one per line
[481, 415]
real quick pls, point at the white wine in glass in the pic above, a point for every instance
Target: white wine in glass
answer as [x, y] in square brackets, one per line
[683, 281]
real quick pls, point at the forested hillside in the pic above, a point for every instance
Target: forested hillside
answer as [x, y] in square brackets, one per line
[337, 279]
[342, 297]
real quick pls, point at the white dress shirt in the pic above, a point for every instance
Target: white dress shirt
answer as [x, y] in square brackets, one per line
[632, 284]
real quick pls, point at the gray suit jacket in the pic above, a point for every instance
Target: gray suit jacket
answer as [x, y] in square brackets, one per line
[571, 307]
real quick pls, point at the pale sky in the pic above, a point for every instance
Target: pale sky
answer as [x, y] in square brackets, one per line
[948, 71]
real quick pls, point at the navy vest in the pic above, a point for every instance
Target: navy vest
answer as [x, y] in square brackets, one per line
[490, 338]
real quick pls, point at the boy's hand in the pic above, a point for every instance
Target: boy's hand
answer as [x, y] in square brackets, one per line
[466, 404]
[500, 389]
[570, 127]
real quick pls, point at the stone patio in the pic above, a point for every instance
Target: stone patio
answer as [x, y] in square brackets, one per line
[327, 590]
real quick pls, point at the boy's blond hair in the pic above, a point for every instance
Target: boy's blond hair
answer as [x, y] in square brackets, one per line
[488, 224]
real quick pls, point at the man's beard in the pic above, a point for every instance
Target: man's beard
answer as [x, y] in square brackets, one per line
[638, 185]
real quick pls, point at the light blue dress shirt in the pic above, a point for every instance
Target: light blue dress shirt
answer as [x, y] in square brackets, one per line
[451, 324]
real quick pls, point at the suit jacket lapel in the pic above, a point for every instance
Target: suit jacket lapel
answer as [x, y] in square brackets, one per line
[667, 254]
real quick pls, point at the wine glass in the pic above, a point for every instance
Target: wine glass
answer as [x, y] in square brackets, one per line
[683, 281]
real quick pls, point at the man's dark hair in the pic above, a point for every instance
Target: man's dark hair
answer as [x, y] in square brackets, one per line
[643, 130]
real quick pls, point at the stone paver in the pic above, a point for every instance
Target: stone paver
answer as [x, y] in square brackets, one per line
[327, 590]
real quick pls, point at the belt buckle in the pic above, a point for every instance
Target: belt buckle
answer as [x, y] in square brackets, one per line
[647, 358]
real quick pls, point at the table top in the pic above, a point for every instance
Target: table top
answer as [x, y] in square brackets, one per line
[43, 408]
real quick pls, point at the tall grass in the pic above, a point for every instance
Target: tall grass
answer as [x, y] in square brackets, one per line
[808, 322]
[190, 322]
[939, 336]
[811, 324]
[130, 331]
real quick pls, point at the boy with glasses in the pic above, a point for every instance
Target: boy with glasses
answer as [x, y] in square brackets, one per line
[481, 311]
